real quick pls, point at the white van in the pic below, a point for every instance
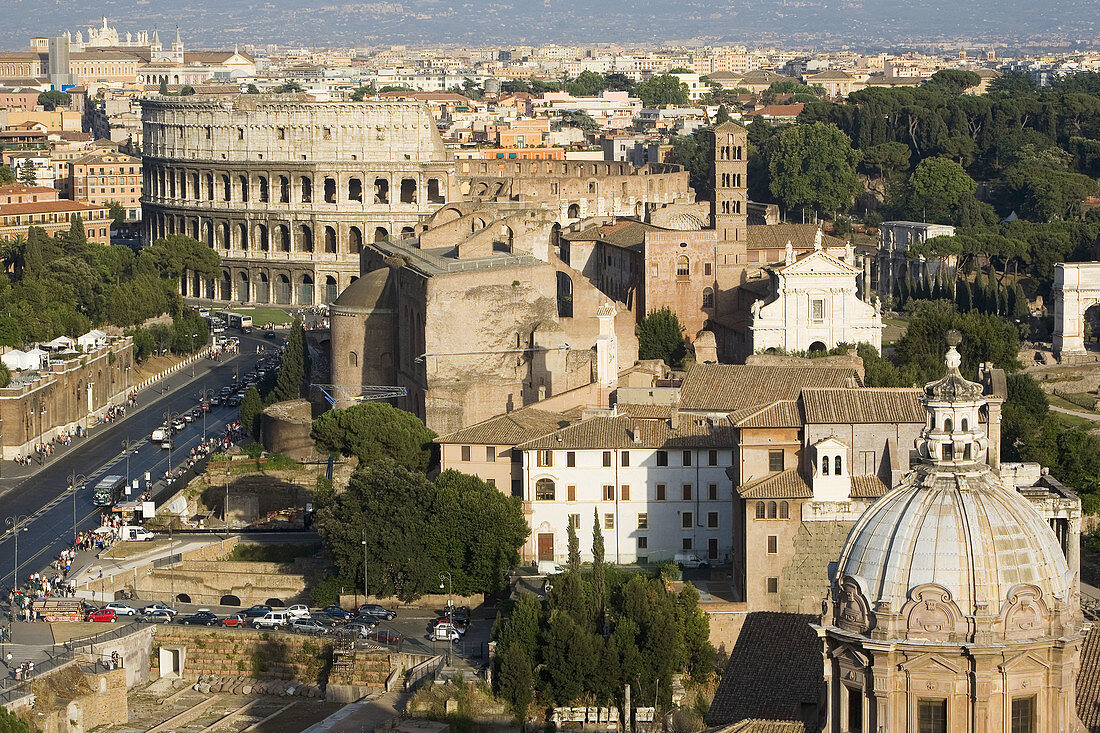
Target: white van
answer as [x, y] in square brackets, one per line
[272, 620]
[162, 433]
[690, 560]
[138, 534]
[298, 610]
[549, 567]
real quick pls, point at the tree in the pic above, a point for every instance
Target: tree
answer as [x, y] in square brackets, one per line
[814, 166]
[12, 723]
[522, 628]
[619, 82]
[1013, 83]
[163, 88]
[599, 583]
[293, 368]
[117, 212]
[375, 432]
[580, 119]
[952, 82]
[76, 239]
[586, 84]
[175, 254]
[722, 115]
[515, 680]
[6, 175]
[5, 375]
[28, 176]
[663, 91]
[695, 152]
[288, 87]
[250, 89]
[573, 564]
[361, 93]
[570, 658]
[53, 99]
[660, 336]
[887, 158]
[936, 186]
[187, 90]
[249, 413]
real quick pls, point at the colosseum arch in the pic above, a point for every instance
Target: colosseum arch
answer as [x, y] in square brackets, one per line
[380, 234]
[355, 240]
[263, 288]
[381, 191]
[306, 184]
[261, 236]
[407, 232]
[355, 189]
[435, 191]
[332, 290]
[242, 236]
[262, 189]
[223, 231]
[330, 239]
[244, 188]
[305, 290]
[227, 188]
[282, 289]
[307, 239]
[1076, 289]
[330, 190]
[209, 187]
[208, 233]
[282, 234]
[225, 286]
[244, 292]
[284, 190]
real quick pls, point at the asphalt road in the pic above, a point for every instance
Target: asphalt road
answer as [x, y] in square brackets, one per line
[44, 497]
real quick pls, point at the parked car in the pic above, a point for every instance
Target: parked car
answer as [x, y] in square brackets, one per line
[178, 425]
[237, 620]
[258, 610]
[102, 614]
[269, 334]
[385, 636]
[298, 610]
[373, 610]
[689, 560]
[160, 607]
[361, 629]
[271, 620]
[444, 632]
[200, 618]
[234, 400]
[337, 614]
[155, 617]
[122, 609]
[308, 626]
[459, 624]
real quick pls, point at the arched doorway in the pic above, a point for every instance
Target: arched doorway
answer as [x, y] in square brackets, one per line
[817, 347]
[355, 240]
[331, 289]
[263, 288]
[565, 296]
[305, 290]
[380, 234]
[243, 291]
[282, 290]
[226, 287]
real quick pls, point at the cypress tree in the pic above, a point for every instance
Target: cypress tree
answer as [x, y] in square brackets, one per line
[1020, 308]
[249, 413]
[32, 254]
[292, 369]
[574, 562]
[1002, 301]
[963, 297]
[599, 590]
[979, 292]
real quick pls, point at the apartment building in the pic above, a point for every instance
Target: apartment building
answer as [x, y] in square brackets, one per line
[22, 207]
[103, 176]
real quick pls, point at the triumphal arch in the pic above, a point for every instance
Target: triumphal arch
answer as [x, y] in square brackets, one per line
[1076, 288]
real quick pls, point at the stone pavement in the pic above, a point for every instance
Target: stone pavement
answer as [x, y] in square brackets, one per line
[363, 716]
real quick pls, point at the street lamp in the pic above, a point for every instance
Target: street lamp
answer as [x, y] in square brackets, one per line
[364, 544]
[204, 397]
[450, 608]
[127, 446]
[76, 480]
[169, 417]
[16, 524]
[193, 353]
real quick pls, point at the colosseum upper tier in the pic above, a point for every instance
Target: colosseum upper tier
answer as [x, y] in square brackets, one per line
[287, 190]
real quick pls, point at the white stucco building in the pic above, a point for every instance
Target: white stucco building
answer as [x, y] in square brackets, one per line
[814, 306]
[655, 478]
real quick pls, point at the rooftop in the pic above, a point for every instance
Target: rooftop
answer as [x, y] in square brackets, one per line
[511, 428]
[732, 387]
[623, 432]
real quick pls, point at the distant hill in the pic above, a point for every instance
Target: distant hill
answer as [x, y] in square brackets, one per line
[214, 23]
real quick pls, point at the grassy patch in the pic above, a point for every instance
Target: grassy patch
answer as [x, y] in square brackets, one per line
[264, 316]
[274, 552]
[1072, 421]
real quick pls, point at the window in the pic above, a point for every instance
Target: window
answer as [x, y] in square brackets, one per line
[964, 425]
[773, 585]
[544, 458]
[784, 510]
[570, 459]
[855, 710]
[775, 460]
[660, 490]
[687, 520]
[685, 492]
[492, 482]
[773, 544]
[686, 543]
[708, 298]
[571, 493]
[824, 465]
[759, 510]
[712, 520]
[771, 510]
[712, 492]
[624, 458]
[687, 458]
[836, 466]
[609, 493]
[817, 310]
[931, 716]
[606, 459]
[706, 269]
[643, 543]
[662, 458]
[683, 267]
[609, 521]
[1023, 715]
[490, 454]
[544, 490]
[712, 458]
[575, 521]
[624, 492]
[466, 453]
[643, 520]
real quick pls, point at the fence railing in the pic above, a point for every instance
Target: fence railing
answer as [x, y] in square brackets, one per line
[427, 669]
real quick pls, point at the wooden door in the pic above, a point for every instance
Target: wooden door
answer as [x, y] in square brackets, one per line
[546, 546]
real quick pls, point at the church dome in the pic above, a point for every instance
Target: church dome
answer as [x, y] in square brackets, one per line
[685, 222]
[950, 551]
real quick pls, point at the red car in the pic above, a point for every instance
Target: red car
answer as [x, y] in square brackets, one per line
[237, 619]
[102, 614]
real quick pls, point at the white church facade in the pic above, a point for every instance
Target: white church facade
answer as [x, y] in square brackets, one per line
[814, 306]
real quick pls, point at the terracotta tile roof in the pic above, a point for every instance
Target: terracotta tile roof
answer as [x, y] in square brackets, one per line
[774, 672]
[865, 405]
[868, 486]
[759, 725]
[1088, 682]
[778, 110]
[730, 387]
[17, 188]
[624, 432]
[787, 484]
[801, 237]
[511, 428]
[782, 414]
[646, 412]
[43, 207]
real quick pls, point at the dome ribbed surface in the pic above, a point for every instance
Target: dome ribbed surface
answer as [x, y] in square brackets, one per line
[960, 530]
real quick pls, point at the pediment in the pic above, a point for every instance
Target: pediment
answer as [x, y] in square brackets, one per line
[819, 262]
[830, 442]
[933, 662]
[1024, 661]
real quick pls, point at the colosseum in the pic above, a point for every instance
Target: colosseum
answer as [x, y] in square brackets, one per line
[288, 190]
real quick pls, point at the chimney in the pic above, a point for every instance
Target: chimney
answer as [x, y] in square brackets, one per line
[674, 419]
[542, 392]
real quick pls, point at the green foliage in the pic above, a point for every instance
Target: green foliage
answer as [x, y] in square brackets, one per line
[323, 492]
[586, 84]
[280, 552]
[250, 89]
[249, 412]
[515, 680]
[375, 432]
[288, 87]
[53, 99]
[6, 175]
[953, 82]
[12, 723]
[599, 585]
[414, 528]
[187, 90]
[696, 153]
[573, 564]
[935, 188]
[361, 93]
[985, 338]
[117, 212]
[163, 88]
[293, 368]
[5, 375]
[662, 91]
[722, 115]
[27, 174]
[580, 119]
[660, 336]
[813, 166]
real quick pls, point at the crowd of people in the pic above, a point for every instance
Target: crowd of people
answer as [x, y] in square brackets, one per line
[45, 449]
